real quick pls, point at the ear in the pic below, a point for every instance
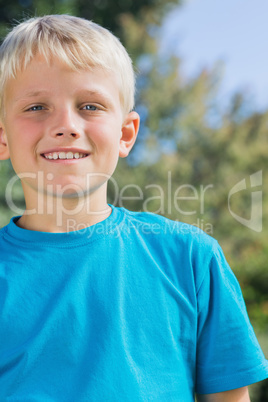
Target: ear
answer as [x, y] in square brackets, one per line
[129, 130]
[4, 151]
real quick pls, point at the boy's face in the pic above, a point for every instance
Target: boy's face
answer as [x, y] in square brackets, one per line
[66, 126]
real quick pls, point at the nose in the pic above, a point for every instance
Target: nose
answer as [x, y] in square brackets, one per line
[65, 132]
[66, 124]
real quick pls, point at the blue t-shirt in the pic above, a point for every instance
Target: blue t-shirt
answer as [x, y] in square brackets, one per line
[135, 308]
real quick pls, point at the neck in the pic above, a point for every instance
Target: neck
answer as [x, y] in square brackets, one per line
[57, 214]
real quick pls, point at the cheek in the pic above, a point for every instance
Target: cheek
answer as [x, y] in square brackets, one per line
[23, 135]
[21, 143]
[106, 137]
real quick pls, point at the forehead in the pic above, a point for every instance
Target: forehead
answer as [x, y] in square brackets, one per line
[41, 77]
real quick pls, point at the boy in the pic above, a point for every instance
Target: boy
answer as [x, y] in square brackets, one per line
[134, 307]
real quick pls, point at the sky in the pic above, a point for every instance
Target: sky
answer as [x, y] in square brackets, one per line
[203, 32]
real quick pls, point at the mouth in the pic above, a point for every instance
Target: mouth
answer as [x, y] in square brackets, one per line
[69, 155]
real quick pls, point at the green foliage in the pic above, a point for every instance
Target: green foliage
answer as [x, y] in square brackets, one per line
[14, 11]
[112, 14]
[149, 11]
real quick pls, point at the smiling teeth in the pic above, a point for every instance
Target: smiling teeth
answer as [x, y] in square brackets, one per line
[64, 155]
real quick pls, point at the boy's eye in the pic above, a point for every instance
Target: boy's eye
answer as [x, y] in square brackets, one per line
[35, 108]
[90, 107]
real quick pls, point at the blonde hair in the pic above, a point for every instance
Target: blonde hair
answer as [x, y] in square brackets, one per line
[79, 43]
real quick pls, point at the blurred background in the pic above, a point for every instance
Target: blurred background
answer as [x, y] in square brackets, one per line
[201, 154]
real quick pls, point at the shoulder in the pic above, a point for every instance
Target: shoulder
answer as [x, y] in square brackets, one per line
[7, 239]
[184, 244]
[3, 231]
[156, 225]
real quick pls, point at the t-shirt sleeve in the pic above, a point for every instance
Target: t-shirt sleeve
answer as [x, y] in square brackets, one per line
[228, 353]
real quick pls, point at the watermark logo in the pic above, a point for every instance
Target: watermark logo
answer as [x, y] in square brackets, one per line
[255, 220]
[185, 200]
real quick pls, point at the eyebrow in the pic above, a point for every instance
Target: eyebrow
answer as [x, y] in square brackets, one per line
[103, 95]
[31, 94]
